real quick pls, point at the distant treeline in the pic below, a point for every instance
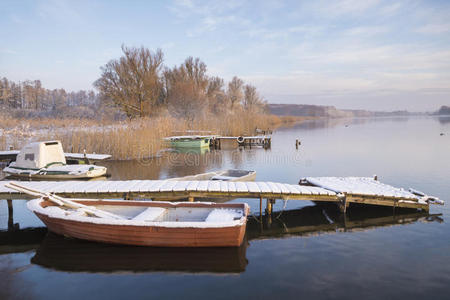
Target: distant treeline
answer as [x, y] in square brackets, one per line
[137, 84]
[444, 110]
[28, 98]
[333, 112]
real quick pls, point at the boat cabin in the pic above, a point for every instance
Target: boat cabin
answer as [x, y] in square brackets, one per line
[40, 155]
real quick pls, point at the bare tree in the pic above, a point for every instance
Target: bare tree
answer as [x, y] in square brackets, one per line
[217, 99]
[133, 82]
[235, 91]
[5, 91]
[252, 99]
[186, 88]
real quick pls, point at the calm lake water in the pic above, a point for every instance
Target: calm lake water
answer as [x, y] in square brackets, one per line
[307, 251]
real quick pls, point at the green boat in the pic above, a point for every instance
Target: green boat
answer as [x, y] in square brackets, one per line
[189, 141]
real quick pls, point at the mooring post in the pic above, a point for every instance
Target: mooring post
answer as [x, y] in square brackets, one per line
[296, 144]
[268, 207]
[260, 207]
[10, 215]
[393, 208]
[343, 203]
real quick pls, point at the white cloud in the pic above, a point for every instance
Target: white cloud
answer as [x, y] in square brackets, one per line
[436, 28]
[16, 19]
[367, 31]
[345, 7]
[61, 10]
[8, 51]
[391, 8]
[168, 45]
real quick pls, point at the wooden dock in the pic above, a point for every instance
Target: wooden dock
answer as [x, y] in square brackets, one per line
[242, 141]
[350, 190]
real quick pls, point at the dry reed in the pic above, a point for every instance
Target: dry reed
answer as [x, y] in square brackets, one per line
[136, 139]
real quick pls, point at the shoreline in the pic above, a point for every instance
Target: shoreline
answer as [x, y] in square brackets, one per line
[132, 139]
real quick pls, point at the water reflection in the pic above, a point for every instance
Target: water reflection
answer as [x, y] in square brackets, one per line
[326, 218]
[60, 253]
[21, 240]
[57, 252]
[444, 120]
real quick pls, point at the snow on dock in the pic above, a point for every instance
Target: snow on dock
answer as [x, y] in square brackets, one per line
[342, 190]
[367, 187]
[164, 188]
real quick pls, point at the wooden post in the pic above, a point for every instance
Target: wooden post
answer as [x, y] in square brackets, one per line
[343, 204]
[10, 215]
[268, 207]
[260, 207]
[296, 144]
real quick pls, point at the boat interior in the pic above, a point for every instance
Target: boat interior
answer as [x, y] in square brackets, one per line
[177, 212]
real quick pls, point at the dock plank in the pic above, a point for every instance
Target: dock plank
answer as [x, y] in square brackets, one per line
[263, 187]
[155, 186]
[241, 187]
[231, 187]
[253, 187]
[181, 186]
[214, 186]
[168, 186]
[224, 186]
[202, 186]
[192, 185]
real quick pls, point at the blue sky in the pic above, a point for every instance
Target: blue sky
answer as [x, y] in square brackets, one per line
[371, 54]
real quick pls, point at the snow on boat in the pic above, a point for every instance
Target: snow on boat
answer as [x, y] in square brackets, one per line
[223, 175]
[46, 160]
[142, 223]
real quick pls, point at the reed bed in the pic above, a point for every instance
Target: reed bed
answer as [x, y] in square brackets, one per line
[127, 140]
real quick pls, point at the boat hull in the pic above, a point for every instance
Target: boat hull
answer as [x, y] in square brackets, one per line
[197, 143]
[176, 231]
[147, 236]
[91, 174]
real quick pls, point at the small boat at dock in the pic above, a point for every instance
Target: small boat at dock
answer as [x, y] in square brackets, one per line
[47, 160]
[141, 223]
[223, 175]
[189, 141]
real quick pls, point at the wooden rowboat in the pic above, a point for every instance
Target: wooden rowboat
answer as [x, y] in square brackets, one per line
[141, 223]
